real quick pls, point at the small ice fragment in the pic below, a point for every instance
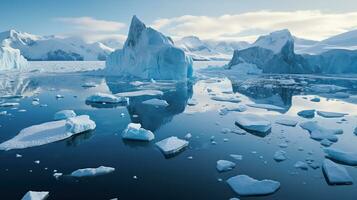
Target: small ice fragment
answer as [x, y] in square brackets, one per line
[34, 195]
[188, 136]
[89, 85]
[192, 102]
[92, 171]
[326, 142]
[225, 165]
[37, 161]
[280, 155]
[18, 156]
[307, 113]
[171, 145]
[58, 96]
[286, 122]
[236, 156]
[283, 145]
[57, 175]
[135, 132]
[301, 165]
[64, 114]
[106, 98]
[331, 114]
[156, 102]
[316, 99]
[246, 186]
[266, 106]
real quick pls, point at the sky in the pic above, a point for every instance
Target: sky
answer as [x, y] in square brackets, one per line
[216, 19]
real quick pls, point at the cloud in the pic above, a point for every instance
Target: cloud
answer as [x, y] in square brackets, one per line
[311, 24]
[91, 24]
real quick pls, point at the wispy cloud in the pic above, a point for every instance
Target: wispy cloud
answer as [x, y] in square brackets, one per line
[311, 24]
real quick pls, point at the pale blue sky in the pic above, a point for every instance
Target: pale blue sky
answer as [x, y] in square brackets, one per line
[46, 17]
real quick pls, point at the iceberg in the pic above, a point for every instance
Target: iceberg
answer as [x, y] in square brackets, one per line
[64, 114]
[246, 186]
[106, 98]
[11, 59]
[225, 165]
[330, 114]
[336, 174]
[171, 145]
[318, 132]
[156, 102]
[348, 158]
[34, 195]
[149, 54]
[102, 170]
[253, 123]
[49, 132]
[135, 132]
[286, 122]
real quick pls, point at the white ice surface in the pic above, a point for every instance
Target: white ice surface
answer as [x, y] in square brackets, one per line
[34, 195]
[253, 123]
[335, 173]
[92, 171]
[348, 158]
[135, 132]
[225, 165]
[171, 145]
[247, 186]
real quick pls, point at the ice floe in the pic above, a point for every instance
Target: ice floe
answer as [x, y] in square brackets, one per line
[330, 114]
[301, 165]
[246, 186]
[64, 114]
[140, 93]
[253, 123]
[106, 98]
[266, 106]
[280, 155]
[286, 122]
[236, 156]
[316, 99]
[307, 113]
[49, 132]
[92, 171]
[34, 195]
[135, 132]
[9, 104]
[225, 165]
[171, 145]
[335, 173]
[318, 132]
[348, 158]
[232, 99]
[156, 102]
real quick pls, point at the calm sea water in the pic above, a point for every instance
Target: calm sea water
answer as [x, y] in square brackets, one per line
[177, 177]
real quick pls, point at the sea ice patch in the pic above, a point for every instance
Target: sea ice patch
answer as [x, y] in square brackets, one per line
[253, 123]
[348, 158]
[318, 132]
[247, 186]
[225, 165]
[336, 174]
[102, 170]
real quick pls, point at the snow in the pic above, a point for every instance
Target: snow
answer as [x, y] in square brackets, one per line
[330, 114]
[318, 132]
[336, 174]
[105, 98]
[48, 132]
[171, 145]
[102, 170]
[266, 106]
[246, 186]
[307, 113]
[286, 122]
[64, 114]
[33, 195]
[301, 165]
[135, 132]
[156, 102]
[11, 59]
[274, 41]
[225, 165]
[254, 123]
[280, 155]
[149, 54]
[140, 93]
[348, 158]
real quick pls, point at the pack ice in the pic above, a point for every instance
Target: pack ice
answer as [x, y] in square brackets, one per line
[319, 133]
[247, 186]
[11, 59]
[135, 132]
[336, 174]
[49, 132]
[92, 171]
[253, 123]
[148, 54]
[33, 195]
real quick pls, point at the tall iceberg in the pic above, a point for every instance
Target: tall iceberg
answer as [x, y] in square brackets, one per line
[148, 54]
[11, 59]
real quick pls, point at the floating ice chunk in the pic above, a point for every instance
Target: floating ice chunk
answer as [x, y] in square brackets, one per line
[234, 198]
[58, 96]
[266, 106]
[48, 132]
[9, 104]
[92, 171]
[232, 99]
[106, 98]
[156, 102]
[247, 186]
[280, 155]
[225, 165]
[253, 123]
[307, 113]
[316, 99]
[283, 145]
[326, 142]
[236, 156]
[188, 136]
[3, 112]
[57, 175]
[286, 122]
[336, 174]
[140, 93]
[348, 158]
[324, 88]
[18, 156]
[239, 131]
[318, 132]
[135, 132]
[33, 195]
[331, 114]
[171, 145]
[301, 165]
[64, 114]
[239, 108]
[192, 102]
[89, 85]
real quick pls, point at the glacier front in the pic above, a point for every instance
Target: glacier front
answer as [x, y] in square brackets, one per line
[148, 54]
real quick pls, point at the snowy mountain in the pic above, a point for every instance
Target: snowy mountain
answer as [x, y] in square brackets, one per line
[208, 50]
[347, 40]
[35, 47]
[149, 54]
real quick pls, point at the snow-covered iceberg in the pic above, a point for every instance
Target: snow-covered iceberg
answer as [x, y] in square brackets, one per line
[135, 132]
[247, 186]
[49, 132]
[335, 173]
[148, 54]
[348, 158]
[11, 59]
[34, 195]
[253, 123]
[92, 171]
